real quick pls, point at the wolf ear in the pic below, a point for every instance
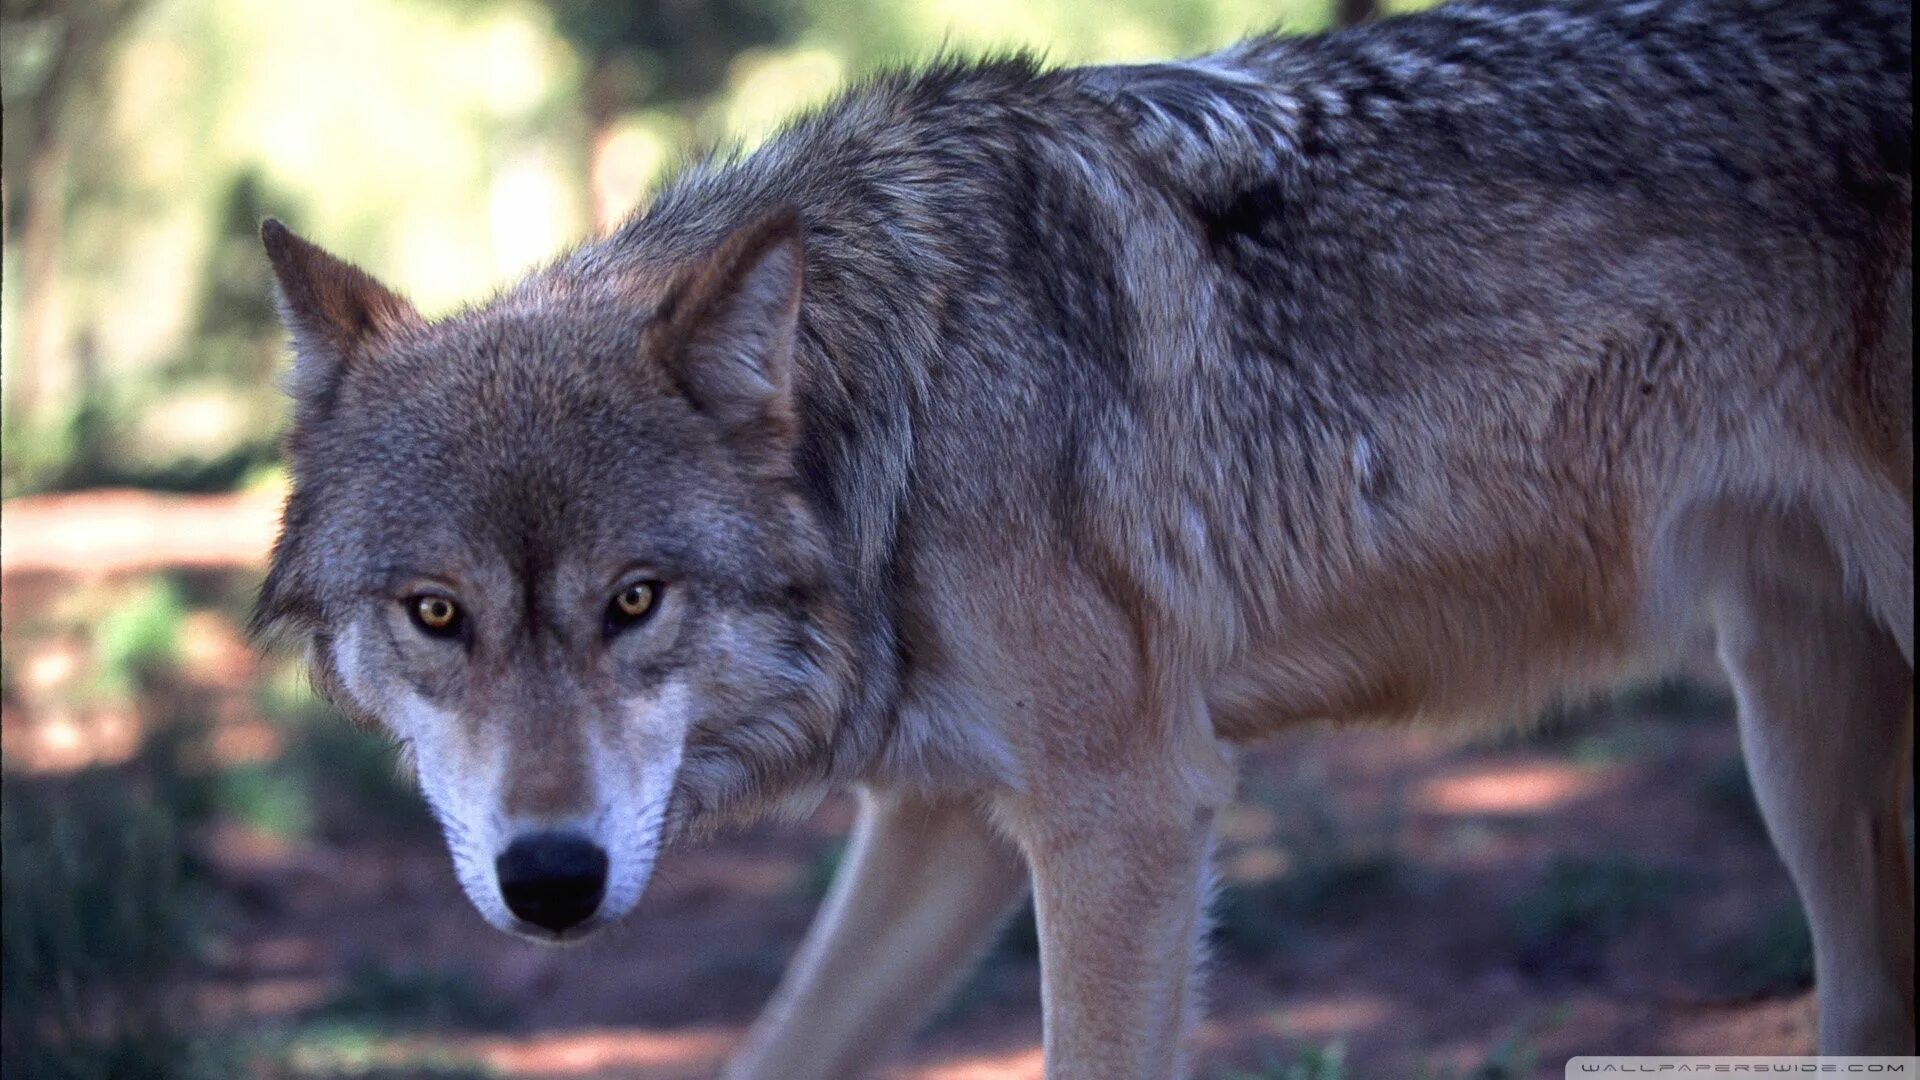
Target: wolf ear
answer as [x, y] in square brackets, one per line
[726, 330]
[336, 312]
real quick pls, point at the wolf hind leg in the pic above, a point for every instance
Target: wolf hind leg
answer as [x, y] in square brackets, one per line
[924, 887]
[1825, 694]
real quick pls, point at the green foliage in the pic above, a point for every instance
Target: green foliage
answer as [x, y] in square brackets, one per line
[672, 52]
[236, 302]
[316, 1067]
[169, 128]
[139, 637]
[1247, 924]
[97, 913]
[347, 1051]
[1009, 969]
[816, 877]
[745, 965]
[1728, 790]
[1020, 938]
[268, 798]
[174, 770]
[357, 781]
[1676, 699]
[347, 780]
[205, 417]
[1774, 959]
[1513, 1057]
[1256, 921]
[1337, 868]
[1634, 721]
[102, 896]
[1580, 905]
[36, 451]
[409, 997]
[1327, 1062]
[186, 434]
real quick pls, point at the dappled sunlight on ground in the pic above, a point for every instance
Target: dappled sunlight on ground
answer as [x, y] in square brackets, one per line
[1317, 1021]
[605, 1054]
[64, 739]
[1524, 789]
[1018, 1065]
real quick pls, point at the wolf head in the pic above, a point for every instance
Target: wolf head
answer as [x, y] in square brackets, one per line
[556, 546]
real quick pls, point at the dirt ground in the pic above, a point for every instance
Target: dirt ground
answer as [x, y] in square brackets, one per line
[1427, 904]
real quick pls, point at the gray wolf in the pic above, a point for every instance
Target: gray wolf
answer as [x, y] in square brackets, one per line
[1012, 444]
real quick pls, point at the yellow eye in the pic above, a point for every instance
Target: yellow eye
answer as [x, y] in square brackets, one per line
[436, 614]
[635, 601]
[631, 604]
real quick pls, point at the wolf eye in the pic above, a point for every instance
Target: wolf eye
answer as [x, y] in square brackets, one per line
[437, 615]
[630, 605]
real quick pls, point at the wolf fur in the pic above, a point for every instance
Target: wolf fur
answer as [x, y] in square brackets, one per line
[1011, 444]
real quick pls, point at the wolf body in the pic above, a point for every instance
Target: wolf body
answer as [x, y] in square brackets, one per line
[1011, 444]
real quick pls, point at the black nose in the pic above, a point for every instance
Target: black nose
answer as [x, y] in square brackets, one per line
[552, 880]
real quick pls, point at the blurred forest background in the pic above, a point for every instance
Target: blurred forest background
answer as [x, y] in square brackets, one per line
[449, 144]
[207, 874]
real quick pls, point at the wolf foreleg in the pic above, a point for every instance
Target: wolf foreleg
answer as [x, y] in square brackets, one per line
[924, 887]
[1826, 720]
[1120, 902]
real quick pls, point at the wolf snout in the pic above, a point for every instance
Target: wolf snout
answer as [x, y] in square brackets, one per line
[553, 880]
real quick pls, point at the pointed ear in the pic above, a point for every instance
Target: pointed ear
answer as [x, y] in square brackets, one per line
[726, 330]
[336, 312]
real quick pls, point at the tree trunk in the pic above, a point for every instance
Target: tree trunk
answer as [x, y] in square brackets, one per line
[39, 370]
[602, 106]
[38, 351]
[1355, 12]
